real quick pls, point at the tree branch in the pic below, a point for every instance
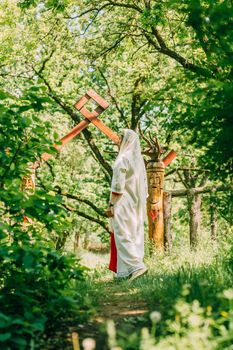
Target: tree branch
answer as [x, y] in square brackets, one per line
[197, 190]
[162, 47]
[186, 185]
[110, 48]
[79, 199]
[159, 45]
[120, 110]
[92, 9]
[46, 61]
[136, 104]
[88, 217]
[58, 190]
[129, 6]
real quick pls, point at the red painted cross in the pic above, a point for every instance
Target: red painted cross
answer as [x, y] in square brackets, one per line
[90, 117]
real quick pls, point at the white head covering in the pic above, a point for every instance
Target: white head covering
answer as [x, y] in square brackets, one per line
[130, 149]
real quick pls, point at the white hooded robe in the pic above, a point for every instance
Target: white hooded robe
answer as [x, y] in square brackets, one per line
[129, 179]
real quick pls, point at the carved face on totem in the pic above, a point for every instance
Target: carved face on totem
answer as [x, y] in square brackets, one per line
[155, 186]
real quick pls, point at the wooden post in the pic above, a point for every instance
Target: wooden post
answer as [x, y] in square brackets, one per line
[155, 174]
[167, 208]
[75, 341]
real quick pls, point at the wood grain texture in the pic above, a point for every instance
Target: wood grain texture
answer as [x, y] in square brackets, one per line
[169, 158]
[92, 117]
[97, 98]
[155, 174]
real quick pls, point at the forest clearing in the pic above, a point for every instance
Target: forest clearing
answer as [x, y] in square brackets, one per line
[116, 175]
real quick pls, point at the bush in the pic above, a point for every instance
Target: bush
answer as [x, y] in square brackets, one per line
[37, 288]
[37, 284]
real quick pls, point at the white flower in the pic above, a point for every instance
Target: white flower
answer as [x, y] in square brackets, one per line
[89, 344]
[155, 316]
[228, 294]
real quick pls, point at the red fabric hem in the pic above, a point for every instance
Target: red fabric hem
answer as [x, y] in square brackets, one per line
[113, 249]
[113, 254]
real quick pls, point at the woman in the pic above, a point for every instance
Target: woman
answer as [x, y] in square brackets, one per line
[127, 209]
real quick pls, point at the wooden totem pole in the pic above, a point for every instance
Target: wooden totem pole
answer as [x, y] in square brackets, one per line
[155, 203]
[29, 185]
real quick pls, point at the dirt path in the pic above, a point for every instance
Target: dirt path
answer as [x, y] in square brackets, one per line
[120, 302]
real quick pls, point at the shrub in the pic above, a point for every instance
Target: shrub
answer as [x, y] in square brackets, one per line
[37, 284]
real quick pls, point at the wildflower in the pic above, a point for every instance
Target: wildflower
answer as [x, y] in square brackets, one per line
[224, 313]
[228, 294]
[209, 308]
[155, 316]
[194, 320]
[89, 344]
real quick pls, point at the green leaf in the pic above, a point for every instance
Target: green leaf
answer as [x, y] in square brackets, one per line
[28, 261]
[25, 108]
[19, 341]
[3, 95]
[39, 325]
[4, 320]
[12, 167]
[5, 336]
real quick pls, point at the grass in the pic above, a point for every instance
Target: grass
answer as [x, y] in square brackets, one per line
[173, 286]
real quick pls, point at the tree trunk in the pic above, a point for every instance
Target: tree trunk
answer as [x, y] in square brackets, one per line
[213, 221]
[61, 241]
[76, 241]
[86, 240]
[194, 208]
[167, 208]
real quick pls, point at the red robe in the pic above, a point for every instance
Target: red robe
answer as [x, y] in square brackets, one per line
[113, 250]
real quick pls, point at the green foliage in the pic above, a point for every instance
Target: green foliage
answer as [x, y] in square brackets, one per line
[206, 118]
[163, 65]
[189, 296]
[190, 326]
[32, 293]
[187, 107]
[57, 5]
[193, 326]
[37, 284]
[28, 140]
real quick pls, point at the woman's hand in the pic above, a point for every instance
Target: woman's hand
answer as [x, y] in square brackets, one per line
[109, 212]
[113, 200]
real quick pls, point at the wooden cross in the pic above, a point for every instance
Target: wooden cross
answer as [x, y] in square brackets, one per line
[90, 117]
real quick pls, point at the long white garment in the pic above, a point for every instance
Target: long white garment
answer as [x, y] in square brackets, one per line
[129, 179]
